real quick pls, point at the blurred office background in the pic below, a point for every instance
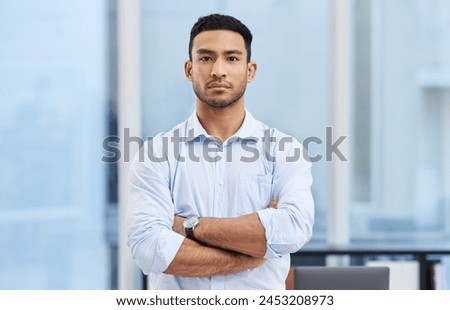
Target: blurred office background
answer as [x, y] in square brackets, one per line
[60, 84]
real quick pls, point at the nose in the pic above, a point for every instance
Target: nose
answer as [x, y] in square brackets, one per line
[218, 70]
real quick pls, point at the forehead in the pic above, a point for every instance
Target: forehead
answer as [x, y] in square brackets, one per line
[218, 40]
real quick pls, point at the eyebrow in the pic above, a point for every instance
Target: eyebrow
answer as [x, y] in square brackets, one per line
[209, 52]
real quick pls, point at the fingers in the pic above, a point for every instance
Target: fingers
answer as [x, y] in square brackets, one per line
[273, 204]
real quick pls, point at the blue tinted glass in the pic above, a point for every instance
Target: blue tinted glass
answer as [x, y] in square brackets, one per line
[402, 116]
[52, 119]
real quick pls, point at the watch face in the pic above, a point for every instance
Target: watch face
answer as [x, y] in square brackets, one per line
[190, 222]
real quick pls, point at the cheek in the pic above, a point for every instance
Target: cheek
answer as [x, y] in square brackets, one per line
[243, 73]
[200, 75]
[244, 77]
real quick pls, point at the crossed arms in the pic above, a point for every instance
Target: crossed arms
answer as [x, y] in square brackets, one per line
[237, 244]
[156, 236]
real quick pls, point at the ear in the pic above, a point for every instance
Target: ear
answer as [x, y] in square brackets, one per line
[251, 71]
[188, 69]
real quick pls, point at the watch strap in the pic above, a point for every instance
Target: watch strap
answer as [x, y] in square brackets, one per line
[190, 233]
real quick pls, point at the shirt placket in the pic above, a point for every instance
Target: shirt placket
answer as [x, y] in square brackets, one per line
[218, 282]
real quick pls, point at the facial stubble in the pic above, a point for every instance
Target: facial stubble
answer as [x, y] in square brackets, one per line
[201, 94]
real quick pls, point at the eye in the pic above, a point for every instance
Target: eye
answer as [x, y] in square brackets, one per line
[205, 59]
[233, 58]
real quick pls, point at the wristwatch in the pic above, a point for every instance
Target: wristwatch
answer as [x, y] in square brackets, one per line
[189, 225]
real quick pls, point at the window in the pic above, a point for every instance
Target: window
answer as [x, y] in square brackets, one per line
[52, 123]
[401, 121]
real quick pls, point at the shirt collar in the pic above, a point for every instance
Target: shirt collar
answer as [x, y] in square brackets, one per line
[247, 131]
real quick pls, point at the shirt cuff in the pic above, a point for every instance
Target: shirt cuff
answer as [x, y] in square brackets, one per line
[266, 216]
[168, 245]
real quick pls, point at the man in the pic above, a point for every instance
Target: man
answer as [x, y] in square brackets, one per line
[221, 200]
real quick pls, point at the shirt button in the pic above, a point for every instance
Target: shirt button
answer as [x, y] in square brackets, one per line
[221, 182]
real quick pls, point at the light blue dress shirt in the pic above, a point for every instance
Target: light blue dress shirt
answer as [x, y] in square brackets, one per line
[187, 171]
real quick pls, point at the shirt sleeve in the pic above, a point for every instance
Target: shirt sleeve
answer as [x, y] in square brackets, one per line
[150, 211]
[289, 227]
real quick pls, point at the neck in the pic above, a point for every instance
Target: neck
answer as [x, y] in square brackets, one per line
[221, 123]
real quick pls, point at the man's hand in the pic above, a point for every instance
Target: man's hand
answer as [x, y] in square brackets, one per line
[273, 204]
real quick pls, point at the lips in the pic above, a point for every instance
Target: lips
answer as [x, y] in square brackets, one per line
[218, 85]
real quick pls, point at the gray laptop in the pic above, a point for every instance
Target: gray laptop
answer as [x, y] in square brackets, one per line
[341, 278]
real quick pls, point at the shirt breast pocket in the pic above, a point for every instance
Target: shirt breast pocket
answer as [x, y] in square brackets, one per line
[254, 192]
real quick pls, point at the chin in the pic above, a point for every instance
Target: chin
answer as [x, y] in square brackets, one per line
[219, 105]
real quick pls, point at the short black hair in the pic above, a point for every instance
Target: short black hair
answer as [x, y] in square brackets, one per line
[221, 22]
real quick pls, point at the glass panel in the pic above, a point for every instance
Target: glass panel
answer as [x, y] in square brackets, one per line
[401, 121]
[290, 89]
[52, 122]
